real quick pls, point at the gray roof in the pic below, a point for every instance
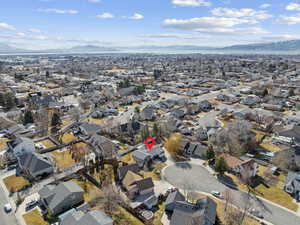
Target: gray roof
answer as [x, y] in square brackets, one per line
[187, 213]
[94, 217]
[21, 145]
[124, 169]
[145, 184]
[103, 146]
[293, 179]
[174, 197]
[34, 162]
[61, 192]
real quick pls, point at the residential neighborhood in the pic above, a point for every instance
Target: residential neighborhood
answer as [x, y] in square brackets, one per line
[224, 145]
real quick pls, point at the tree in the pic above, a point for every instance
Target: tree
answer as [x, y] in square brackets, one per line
[137, 109]
[156, 131]
[173, 145]
[2, 99]
[265, 93]
[9, 100]
[210, 154]
[221, 166]
[227, 197]
[28, 117]
[291, 92]
[42, 122]
[145, 132]
[55, 121]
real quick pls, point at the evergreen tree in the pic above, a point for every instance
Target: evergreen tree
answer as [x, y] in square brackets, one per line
[2, 99]
[145, 133]
[9, 101]
[156, 130]
[28, 117]
[55, 121]
[291, 92]
[266, 92]
[221, 166]
[210, 154]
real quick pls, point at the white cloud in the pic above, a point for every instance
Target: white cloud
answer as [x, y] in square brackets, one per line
[282, 37]
[105, 16]
[136, 16]
[94, 1]
[265, 6]
[293, 7]
[193, 3]
[6, 26]
[33, 30]
[205, 22]
[234, 31]
[239, 13]
[166, 36]
[290, 20]
[60, 11]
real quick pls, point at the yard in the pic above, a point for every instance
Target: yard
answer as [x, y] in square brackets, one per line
[3, 143]
[47, 143]
[274, 193]
[96, 121]
[159, 214]
[128, 158]
[91, 191]
[121, 215]
[68, 137]
[270, 147]
[14, 183]
[34, 218]
[155, 173]
[63, 158]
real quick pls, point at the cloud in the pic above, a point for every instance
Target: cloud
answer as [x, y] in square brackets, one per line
[293, 7]
[105, 16]
[193, 3]
[167, 36]
[136, 16]
[32, 30]
[290, 20]
[60, 11]
[265, 6]
[205, 23]
[235, 31]
[282, 37]
[239, 13]
[94, 1]
[6, 26]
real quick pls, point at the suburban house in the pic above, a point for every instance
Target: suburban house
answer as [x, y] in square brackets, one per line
[33, 166]
[144, 157]
[94, 217]
[292, 185]
[87, 129]
[242, 167]
[201, 213]
[103, 147]
[290, 132]
[148, 113]
[122, 171]
[205, 106]
[171, 200]
[194, 149]
[59, 198]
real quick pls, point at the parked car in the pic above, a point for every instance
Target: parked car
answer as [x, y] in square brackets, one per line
[30, 205]
[217, 194]
[256, 213]
[12, 167]
[7, 208]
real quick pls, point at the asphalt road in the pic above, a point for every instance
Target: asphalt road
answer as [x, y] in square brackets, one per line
[197, 178]
[6, 219]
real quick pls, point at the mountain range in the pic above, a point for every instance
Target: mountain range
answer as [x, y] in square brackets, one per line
[283, 46]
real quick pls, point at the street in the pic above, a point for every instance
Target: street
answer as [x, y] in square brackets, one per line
[193, 177]
[6, 218]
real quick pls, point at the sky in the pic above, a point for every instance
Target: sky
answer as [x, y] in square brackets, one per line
[44, 24]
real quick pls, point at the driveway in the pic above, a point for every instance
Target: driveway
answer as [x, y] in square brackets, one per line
[197, 178]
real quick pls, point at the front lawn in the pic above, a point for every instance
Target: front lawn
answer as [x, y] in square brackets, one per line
[68, 137]
[47, 143]
[155, 173]
[63, 159]
[15, 183]
[159, 214]
[34, 218]
[128, 158]
[91, 192]
[3, 143]
[270, 147]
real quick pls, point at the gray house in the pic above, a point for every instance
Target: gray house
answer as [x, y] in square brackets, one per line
[171, 200]
[292, 185]
[34, 165]
[201, 213]
[62, 197]
[143, 156]
[94, 217]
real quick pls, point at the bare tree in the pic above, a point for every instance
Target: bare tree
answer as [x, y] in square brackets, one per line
[227, 197]
[75, 113]
[42, 122]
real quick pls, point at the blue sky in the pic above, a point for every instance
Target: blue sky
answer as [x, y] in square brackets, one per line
[41, 24]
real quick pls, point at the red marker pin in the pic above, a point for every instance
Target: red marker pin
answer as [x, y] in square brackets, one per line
[150, 142]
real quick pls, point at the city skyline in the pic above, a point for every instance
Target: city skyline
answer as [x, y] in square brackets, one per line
[43, 24]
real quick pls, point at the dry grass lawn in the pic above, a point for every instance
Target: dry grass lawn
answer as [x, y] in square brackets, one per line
[91, 191]
[34, 218]
[68, 137]
[96, 121]
[275, 194]
[128, 158]
[155, 173]
[3, 143]
[270, 147]
[63, 159]
[15, 183]
[47, 143]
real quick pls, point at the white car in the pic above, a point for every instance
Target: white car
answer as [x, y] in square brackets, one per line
[7, 208]
[217, 194]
